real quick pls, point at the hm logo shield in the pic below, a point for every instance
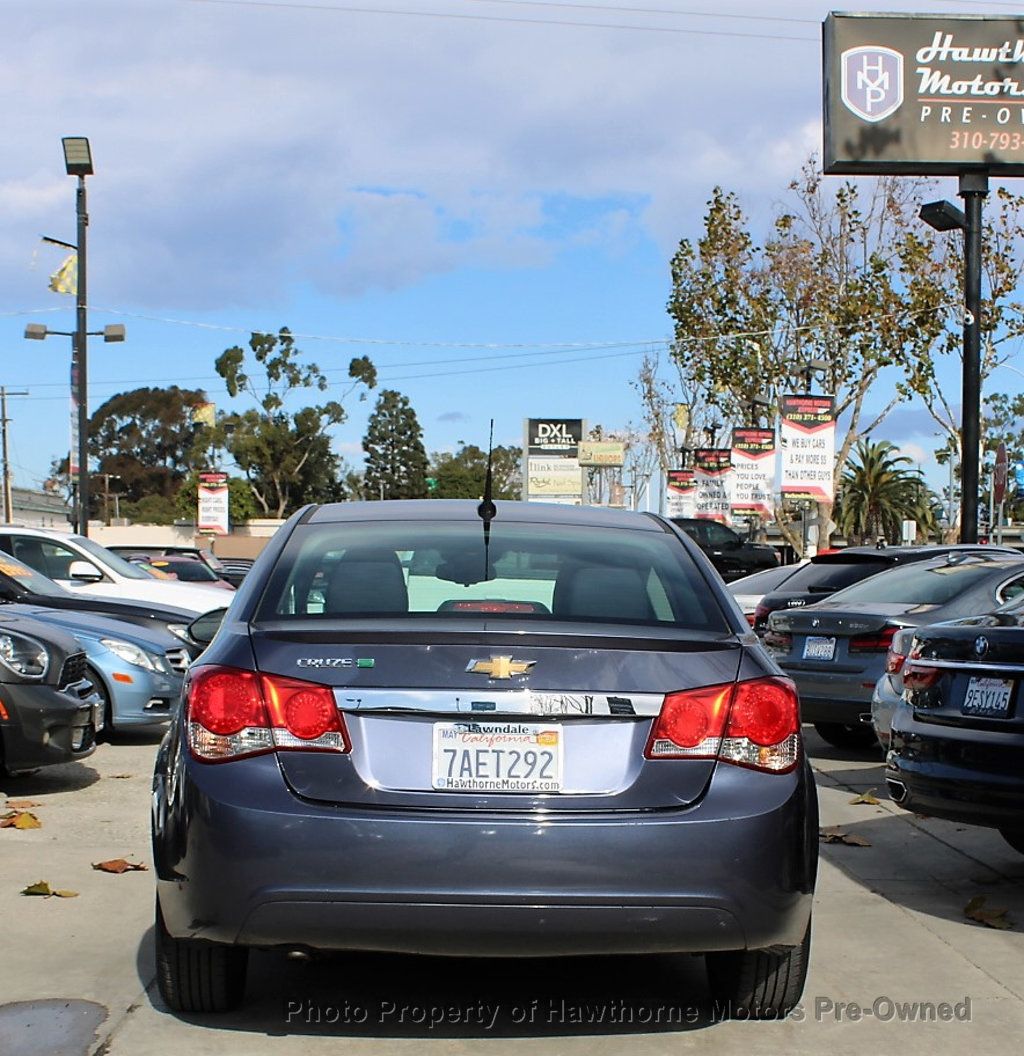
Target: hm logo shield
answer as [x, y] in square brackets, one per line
[872, 82]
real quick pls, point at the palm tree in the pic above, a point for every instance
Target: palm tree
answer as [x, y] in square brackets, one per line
[878, 492]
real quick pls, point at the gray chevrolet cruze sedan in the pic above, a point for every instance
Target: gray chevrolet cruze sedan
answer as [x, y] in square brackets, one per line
[484, 730]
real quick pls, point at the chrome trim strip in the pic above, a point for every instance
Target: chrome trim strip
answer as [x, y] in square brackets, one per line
[969, 665]
[484, 703]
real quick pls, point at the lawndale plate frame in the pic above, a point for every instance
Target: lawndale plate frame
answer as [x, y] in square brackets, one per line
[923, 95]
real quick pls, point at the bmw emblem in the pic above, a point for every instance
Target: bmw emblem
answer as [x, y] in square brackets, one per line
[980, 646]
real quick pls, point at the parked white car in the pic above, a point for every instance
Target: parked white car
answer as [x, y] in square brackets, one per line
[83, 565]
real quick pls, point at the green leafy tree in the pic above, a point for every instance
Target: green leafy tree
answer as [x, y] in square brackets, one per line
[146, 437]
[879, 491]
[150, 509]
[396, 462]
[830, 300]
[285, 455]
[461, 475]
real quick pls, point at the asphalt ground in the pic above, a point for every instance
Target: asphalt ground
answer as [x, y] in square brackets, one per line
[896, 965]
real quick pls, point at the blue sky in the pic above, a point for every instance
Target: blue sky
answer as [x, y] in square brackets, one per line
[468, 186]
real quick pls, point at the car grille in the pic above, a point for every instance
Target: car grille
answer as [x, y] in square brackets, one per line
[73, 670]
[177, 660]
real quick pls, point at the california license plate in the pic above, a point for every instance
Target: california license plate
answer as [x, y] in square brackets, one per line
[819, 648]
[987, 696]
[497, 757]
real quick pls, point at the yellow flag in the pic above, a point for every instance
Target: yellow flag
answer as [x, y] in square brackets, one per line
[205, 414]
[65, 278]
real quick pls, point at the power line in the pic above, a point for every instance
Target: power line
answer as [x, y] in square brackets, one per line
[618, 8]
[346, 9]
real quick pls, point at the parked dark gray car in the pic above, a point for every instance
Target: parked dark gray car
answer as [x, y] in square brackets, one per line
[438, 728]
[836, 650]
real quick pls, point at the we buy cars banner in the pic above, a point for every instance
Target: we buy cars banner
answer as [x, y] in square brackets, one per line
[714, 475]
[753, 463]
[808, 439]
[680, 493]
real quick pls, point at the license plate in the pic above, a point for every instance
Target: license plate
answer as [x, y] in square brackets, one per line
[497, 757]
[819, 648]
[987, 696]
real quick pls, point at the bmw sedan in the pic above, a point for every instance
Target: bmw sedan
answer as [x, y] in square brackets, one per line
[836, 650]
[495, 730]
[957, 739]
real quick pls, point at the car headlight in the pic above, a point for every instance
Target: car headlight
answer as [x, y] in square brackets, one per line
[24, 656]
[130, 654]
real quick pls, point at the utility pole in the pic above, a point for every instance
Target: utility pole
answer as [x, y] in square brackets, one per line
[107, 478]
[8, 497]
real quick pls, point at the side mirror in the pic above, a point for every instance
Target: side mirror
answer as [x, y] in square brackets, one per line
[84, 572]
[204, 629]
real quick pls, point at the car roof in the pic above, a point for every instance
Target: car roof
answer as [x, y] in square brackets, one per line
[466, 510]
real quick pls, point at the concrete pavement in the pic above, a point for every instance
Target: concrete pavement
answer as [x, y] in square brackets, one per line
[889, 935]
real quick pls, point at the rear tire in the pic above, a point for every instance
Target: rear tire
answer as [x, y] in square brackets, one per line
[1014, 837]
[108, 707]
[198, 976]
[846, 735]
[758, 984]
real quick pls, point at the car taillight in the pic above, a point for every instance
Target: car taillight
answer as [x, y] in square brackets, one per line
[778, 641]
[894, 662]
[919, 676]
[761, 613]
[750, 618]
[876, 642]
[234, 713]
[754, 724]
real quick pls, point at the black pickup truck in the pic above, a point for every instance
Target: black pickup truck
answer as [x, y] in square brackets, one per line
[732, 555]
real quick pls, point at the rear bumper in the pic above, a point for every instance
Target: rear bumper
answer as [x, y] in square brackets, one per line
[46, 726]
[956, 773]
[241, 860]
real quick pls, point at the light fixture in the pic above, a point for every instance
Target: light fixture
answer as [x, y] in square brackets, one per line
[35, 331]
[77, 156]
[943, 216]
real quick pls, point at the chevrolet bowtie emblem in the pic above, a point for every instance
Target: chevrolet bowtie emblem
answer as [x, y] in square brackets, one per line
[499, 667]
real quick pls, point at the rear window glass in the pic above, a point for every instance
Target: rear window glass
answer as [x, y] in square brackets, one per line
[917, 584]
[826, 576]
[532, 572]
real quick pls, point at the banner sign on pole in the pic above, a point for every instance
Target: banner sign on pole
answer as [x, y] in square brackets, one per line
[753, 463]
[680, 493]
[923, 94]
[713, 474]
[213, 504]
[73, 452]
[808, 439]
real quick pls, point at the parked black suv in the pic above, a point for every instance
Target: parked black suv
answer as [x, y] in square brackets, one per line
[825, 574]
[732, 555]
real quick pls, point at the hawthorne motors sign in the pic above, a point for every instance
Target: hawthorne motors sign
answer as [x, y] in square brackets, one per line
[923, 94]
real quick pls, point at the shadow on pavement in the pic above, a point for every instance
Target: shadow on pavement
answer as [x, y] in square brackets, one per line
[69, 777]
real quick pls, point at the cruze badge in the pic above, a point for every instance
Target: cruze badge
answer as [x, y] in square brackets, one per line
[499, 667]
[333, 662]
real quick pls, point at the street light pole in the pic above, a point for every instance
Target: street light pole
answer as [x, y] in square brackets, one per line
[81, 351]
[973, 190]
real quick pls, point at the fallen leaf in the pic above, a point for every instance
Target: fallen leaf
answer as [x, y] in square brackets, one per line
[20, 819]
[835, 834]
[43, 889]
[867, 797]
[119, 865]
[991, 918]
[21, 804]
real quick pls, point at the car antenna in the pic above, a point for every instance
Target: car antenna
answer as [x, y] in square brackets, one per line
[487, 511]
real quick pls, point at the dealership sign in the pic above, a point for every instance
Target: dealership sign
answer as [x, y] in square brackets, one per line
[213, 504]
[753, 463]
[713, 475]
[680, 493]
[808, 438]
[923, 94]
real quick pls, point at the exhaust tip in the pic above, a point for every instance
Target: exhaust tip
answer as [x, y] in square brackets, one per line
[897, 790]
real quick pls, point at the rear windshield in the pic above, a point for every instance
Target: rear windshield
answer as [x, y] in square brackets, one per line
[919, 583]
[533, 572]
[826, 576]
